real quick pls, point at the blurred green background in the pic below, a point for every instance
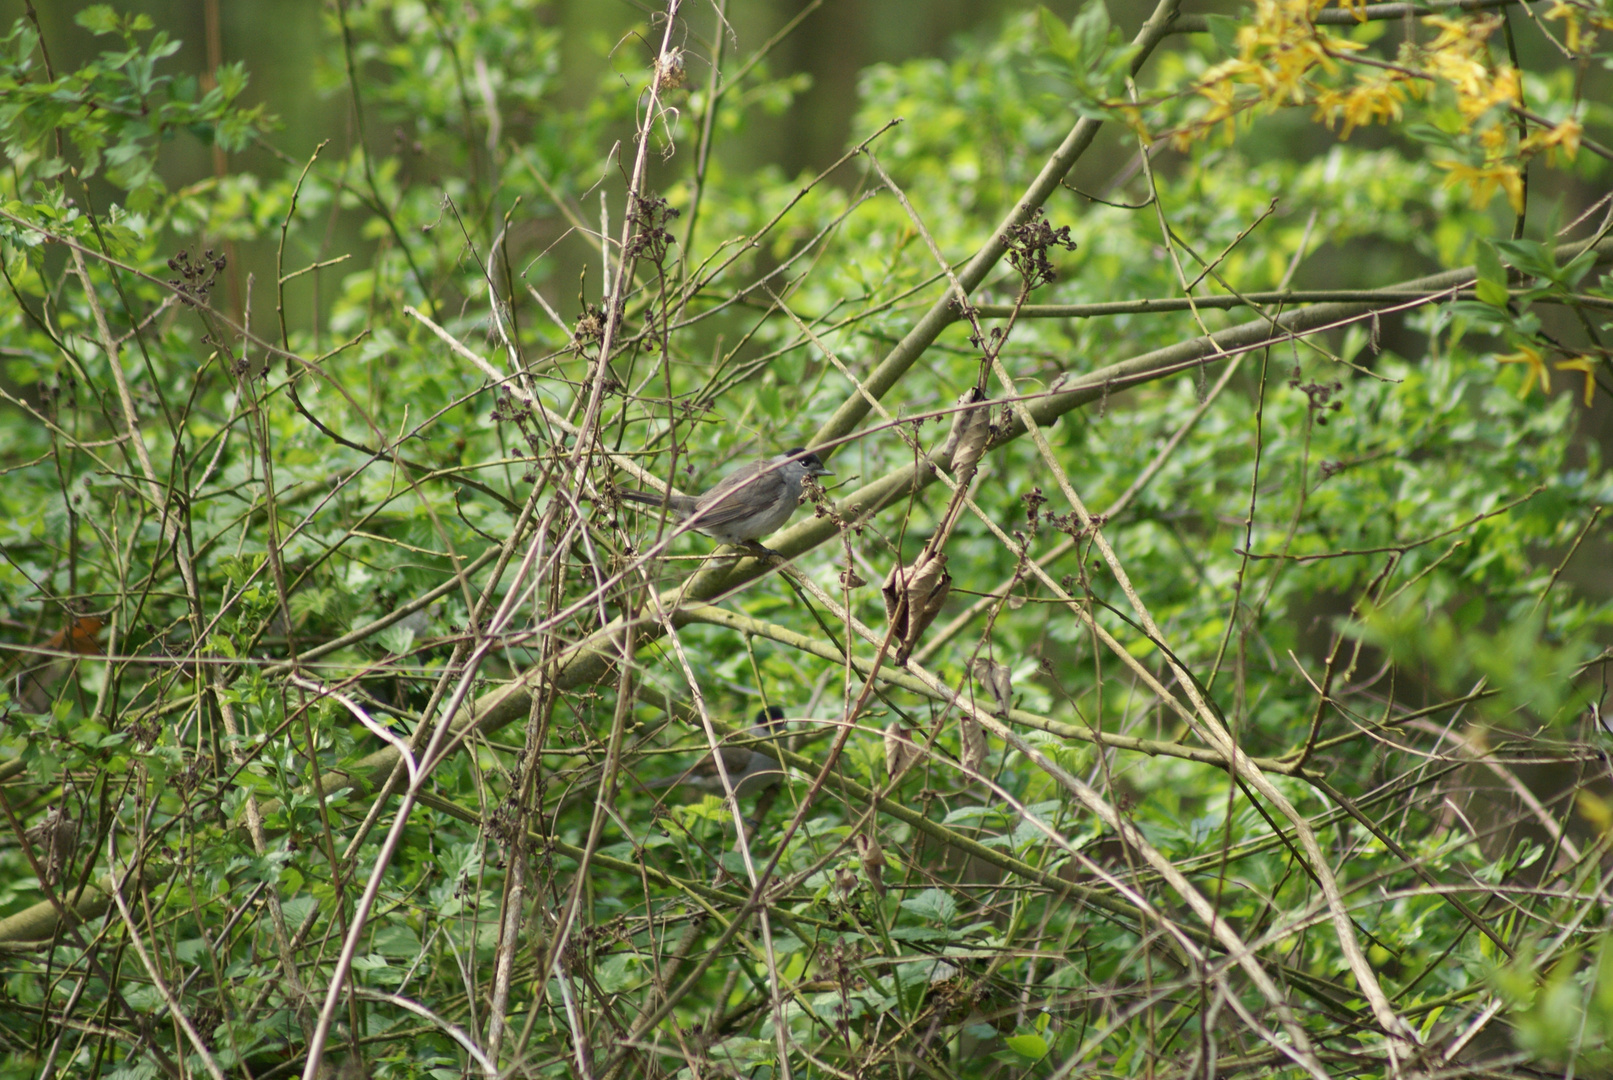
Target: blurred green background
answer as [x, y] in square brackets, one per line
[283, 46]
[283, 43]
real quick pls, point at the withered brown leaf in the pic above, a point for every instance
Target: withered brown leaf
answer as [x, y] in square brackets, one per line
[872, 857]
[972, 737]
[56, 836]
[900, 751]
[995, 679]
[970, 434]
[924, 587]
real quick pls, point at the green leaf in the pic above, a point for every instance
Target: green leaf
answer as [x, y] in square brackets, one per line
[1576, 269]
[1492, 294]
[1492, 284]
[396, 639]
[370, 963]
[1029, 1045]
[397, 940]
[710, 808]
[1530, 256]
[98, 19]
[1224, 30]
[191, 950]
[231, 79]
[1060, 42]
[932, 904]
[1091, 28]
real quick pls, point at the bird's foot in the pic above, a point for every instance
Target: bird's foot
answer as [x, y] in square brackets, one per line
[762, 551]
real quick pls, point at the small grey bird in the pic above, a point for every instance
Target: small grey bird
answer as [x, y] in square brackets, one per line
[748, 503]
[749, 768]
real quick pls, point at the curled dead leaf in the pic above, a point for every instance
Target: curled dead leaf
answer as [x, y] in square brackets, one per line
[872, 857]
[54, 839]
[914, 596]
[970, 434]
[900, 750]
[995, 679]
[972, 754]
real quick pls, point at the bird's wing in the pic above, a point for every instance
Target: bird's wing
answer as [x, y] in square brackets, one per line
[726, 503]
[734, 758]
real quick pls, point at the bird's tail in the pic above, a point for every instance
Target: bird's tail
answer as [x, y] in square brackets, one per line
[645, 498]
[681, 505]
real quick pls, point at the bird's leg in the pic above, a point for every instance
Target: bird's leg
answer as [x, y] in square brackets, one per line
[761, 550]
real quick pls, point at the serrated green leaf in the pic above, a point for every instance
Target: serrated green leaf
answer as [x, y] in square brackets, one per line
[98, 19]
[932, 904]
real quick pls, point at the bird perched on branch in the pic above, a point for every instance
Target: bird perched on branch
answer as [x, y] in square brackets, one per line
[749, 768]
[747, 504]
[33, 674]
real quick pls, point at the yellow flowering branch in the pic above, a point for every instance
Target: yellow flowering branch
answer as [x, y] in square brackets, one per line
[1586, 365]
[1535, 369]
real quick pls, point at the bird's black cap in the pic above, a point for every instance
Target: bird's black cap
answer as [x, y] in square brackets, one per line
[808, 458]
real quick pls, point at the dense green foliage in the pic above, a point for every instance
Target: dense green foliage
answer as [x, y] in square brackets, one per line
[341, 678]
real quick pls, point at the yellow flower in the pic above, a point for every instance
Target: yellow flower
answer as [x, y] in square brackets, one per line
[1484, 181]
[1536, 363]
[1564, 136]
[1451, 31]
[1460, 57]
[1379, 99]
[1570, 16]
[1588, 366]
